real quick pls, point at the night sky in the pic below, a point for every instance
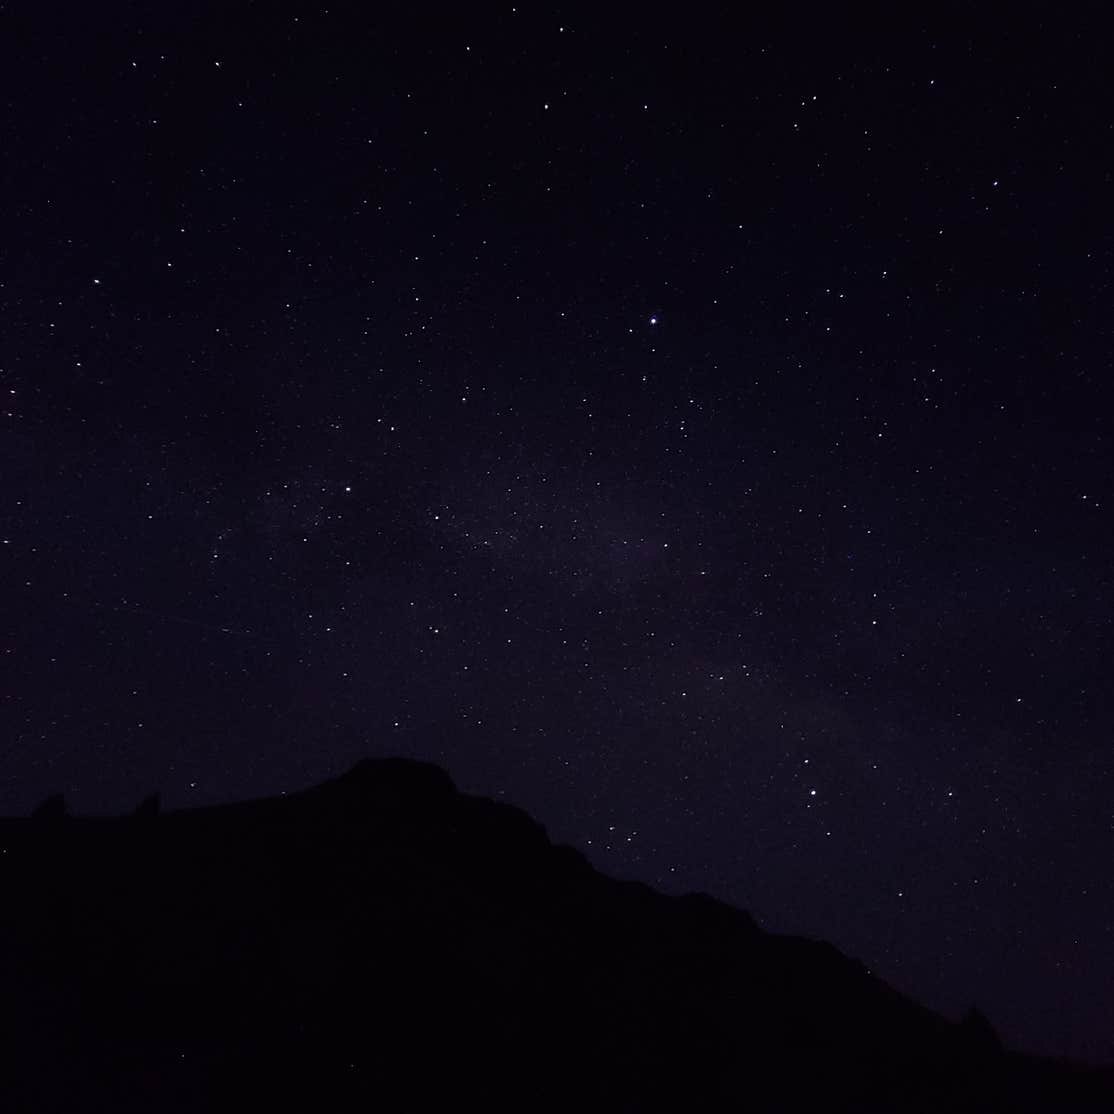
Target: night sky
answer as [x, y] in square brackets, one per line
[695, 432]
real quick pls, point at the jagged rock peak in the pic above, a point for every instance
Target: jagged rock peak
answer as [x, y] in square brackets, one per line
[398, 775]
[148, 808]
[50, 810]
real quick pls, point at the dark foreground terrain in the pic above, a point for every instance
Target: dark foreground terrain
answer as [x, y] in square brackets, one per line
[382, 942]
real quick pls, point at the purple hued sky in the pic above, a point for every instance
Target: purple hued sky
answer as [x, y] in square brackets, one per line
[697, 433]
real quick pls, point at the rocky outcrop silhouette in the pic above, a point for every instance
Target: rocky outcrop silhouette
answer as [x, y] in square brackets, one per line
[51, 810]
[148, 808]
[382, 941]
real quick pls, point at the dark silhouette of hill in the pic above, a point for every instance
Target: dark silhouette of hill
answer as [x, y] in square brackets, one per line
[383, 942]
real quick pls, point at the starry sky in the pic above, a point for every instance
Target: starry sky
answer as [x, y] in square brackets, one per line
[695, 432]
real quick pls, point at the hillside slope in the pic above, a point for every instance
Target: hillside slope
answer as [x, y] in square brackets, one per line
[382, 941]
